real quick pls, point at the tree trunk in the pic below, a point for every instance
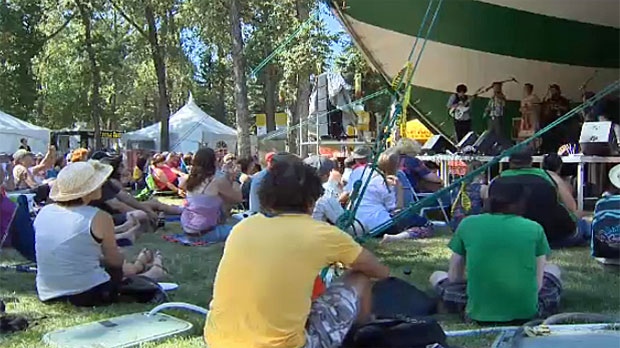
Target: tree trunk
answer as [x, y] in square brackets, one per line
[302, 100]
[270, 82]
[95, 104]
[241, 92]
[220, 105]
[157, 53]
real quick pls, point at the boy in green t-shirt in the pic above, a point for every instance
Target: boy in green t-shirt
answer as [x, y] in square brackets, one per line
[508, 278]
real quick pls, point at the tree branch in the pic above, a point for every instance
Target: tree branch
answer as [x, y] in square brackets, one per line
[134, 24]
[60, 29]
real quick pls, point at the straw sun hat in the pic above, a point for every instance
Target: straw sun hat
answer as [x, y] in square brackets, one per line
[79, 179]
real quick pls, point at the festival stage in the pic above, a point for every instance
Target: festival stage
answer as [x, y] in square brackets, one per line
[591, 167]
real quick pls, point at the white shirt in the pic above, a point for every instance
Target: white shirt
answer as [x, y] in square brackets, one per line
[376, 203]
[68, 257]
[356, 174]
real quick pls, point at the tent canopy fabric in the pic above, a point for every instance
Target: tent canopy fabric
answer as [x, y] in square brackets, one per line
[189, 128]
[12, 129]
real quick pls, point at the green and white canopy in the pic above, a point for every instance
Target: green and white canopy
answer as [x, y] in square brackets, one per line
[476, 42]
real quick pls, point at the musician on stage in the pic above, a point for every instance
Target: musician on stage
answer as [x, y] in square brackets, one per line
[494, 111]
[530, 112]
[554, 107]
[458, 107]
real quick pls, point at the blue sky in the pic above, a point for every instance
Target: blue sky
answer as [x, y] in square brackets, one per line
[194, 48]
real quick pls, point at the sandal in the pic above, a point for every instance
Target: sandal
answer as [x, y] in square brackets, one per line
[164, 269]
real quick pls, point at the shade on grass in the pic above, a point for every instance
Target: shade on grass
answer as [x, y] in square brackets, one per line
[588, 286]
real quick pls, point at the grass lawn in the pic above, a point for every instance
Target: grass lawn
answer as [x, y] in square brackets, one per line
[588, 287]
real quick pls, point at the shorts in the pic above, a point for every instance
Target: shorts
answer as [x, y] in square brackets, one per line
[331, 316]
[100, 295]
[454, 295]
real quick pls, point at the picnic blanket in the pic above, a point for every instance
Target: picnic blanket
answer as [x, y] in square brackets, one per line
[206, 239]
[187, 240]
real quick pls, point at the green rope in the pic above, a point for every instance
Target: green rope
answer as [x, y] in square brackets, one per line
[313, 118]
[348, 217]
[414, 208]
[281, 47]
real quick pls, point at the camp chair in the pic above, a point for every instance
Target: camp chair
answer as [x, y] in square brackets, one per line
[411, 196]
[20, 234]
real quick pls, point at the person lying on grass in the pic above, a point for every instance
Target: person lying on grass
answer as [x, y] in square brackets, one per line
[263, 286]
[71, 236]
[508, 277]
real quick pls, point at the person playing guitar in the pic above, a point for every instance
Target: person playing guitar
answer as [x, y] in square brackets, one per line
[458, 107]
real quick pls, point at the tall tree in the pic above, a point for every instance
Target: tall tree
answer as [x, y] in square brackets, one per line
[85, 9]
[158, 58]
[241, 90]
[302, 100]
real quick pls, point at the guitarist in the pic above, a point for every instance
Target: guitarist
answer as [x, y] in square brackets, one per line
[458, 107]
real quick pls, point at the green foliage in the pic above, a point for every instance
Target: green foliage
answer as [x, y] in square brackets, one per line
[47, 76]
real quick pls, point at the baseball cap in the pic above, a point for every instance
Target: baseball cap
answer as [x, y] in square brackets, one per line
[99, 155]
[523, 156]
[361, 152]
[321, 164]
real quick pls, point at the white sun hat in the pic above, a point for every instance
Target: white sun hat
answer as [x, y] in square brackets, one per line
[614, 175]
[79, 179]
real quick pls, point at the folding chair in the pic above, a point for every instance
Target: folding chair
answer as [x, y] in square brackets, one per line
[411, 196]
[21, 233]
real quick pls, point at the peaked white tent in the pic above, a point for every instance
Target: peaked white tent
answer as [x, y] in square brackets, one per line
[190, 128]
[12, 129]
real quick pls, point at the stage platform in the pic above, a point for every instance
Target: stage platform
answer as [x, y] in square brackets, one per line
[594, 166]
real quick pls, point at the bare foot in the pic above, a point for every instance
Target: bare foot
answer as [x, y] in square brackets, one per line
[387, 238]
[145, 258]
[157, 272]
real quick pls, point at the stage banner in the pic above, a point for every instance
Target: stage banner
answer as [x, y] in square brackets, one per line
[261, 124]
[417, 131]
[281, 119]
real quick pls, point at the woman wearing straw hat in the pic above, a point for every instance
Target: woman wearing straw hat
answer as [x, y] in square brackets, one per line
[70, 236]
[606, 223]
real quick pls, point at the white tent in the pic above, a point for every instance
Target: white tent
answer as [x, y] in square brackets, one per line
[12, 129]
[190, 128]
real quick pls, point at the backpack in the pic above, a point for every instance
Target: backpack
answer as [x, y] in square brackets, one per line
[142, 290]
[606, 228]
[397, 333]
[400, 310]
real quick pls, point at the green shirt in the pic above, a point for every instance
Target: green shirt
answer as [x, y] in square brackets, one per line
[500, 253]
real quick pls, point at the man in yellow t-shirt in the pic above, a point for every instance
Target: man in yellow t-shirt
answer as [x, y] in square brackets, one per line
[263, 287]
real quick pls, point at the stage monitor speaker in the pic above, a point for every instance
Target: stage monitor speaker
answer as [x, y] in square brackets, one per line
[437, 144]
[468, 140]
[598, 139]
[489, 144]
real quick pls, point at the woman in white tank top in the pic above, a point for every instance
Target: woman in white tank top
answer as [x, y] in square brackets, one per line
[71, 237]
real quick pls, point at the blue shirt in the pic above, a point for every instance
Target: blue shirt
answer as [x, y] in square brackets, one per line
[257, 180]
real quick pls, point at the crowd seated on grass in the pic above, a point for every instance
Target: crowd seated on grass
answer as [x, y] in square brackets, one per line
[166, 178]
[289, 249]
[551, 203]
[470, 197]
[508, 277]
[78, 258]
[209, 197]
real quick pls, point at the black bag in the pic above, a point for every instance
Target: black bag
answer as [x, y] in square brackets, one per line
[142, 290]
[396, 333]
[395, 298]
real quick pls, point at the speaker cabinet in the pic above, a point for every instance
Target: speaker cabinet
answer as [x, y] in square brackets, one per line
[490, 145]
[437, 144]
[468, 140]
[598, 139]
